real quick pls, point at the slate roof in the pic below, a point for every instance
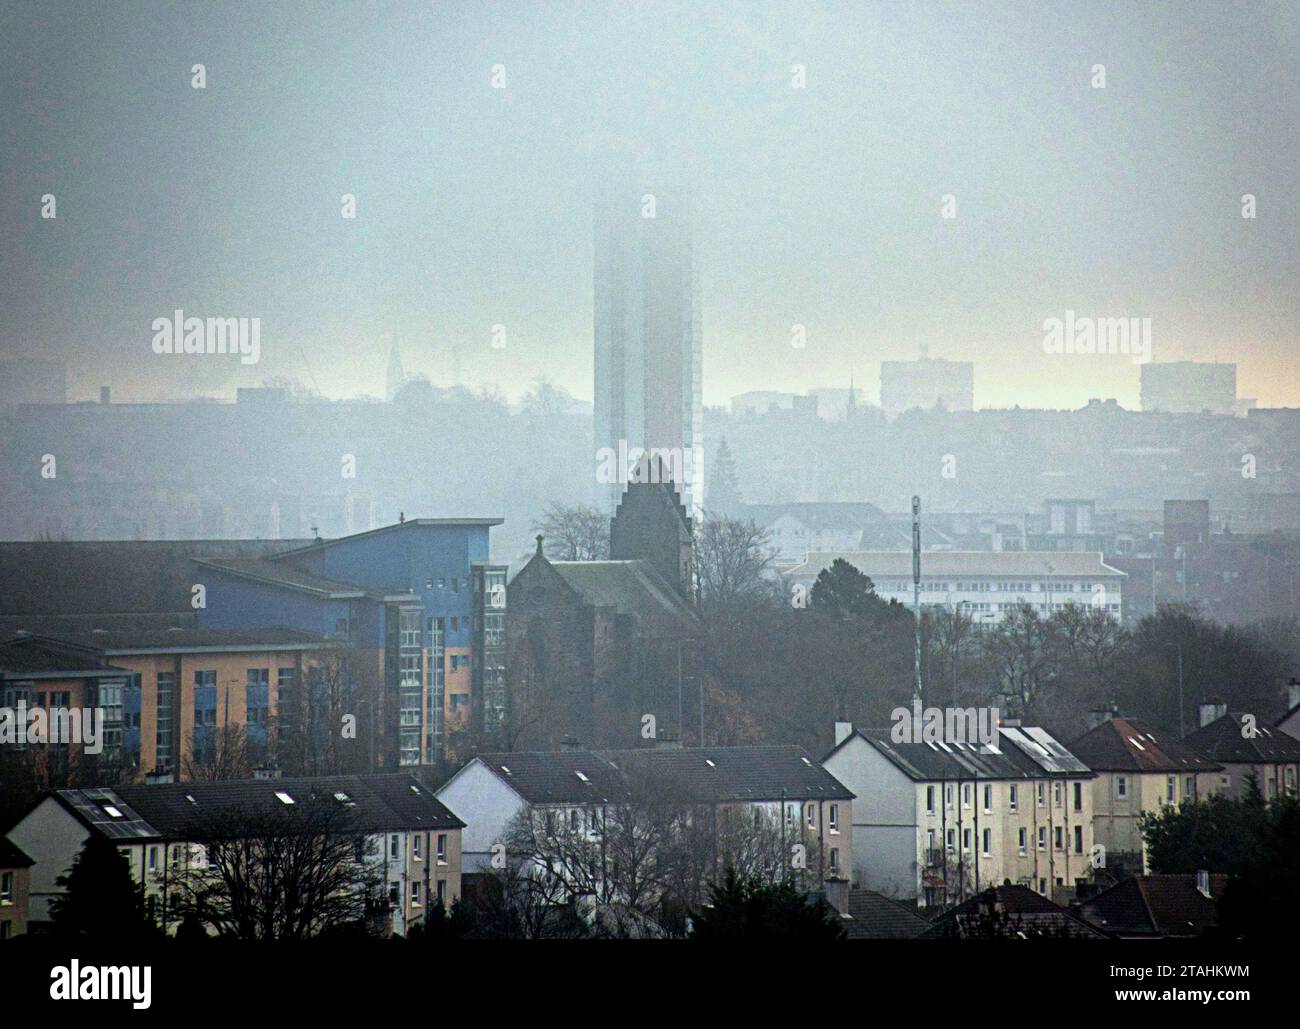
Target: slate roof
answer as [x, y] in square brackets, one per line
[559, 777]
[1127, 745]
[876, 917]
[63, 579]
[1222, 741]
[185, 638]
[708, 775]
[285, 574]
[1030, 916]
[175, 810]
[720, 774]
[12, 856]
[24, 654]
[629, 587]
[1155, 906]
[1021, 753]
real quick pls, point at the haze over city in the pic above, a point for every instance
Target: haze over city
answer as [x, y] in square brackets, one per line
[817, 206]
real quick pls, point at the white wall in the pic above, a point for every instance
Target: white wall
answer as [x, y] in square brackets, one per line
[485, 804]
[51, 837]
[884, 819]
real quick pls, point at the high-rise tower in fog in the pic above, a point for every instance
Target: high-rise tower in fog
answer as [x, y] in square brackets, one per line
[648, 335]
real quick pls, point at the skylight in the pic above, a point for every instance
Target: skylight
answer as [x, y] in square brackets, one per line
[581, 776]
[807, 762]
[284, 798]
[709, 763]
[342, 798]
[506, 769]
[1136, 743]
[113, 812]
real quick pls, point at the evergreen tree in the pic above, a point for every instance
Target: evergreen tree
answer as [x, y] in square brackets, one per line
[746, 908]
[724, 486]
[99, 896]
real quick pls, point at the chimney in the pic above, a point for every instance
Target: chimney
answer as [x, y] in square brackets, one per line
[1212, 711]
[105, 395]
[843, 730]
[1203, 883]
[836, 892]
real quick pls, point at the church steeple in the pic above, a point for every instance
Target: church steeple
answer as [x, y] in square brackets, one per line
[396, 377]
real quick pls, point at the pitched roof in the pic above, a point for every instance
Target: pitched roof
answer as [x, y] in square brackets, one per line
[24, 654]
[1155, 905]
[136, 641]
[558, 777]
[1127, 745]
[629, 587]
[1020, 753]
[705, 776]
[1028, 915]
[873, 916]
[12, 855]
[110, 577]
[1223, 740]
[313, 546]
[290, 576]
[177, 810]
[721, 774]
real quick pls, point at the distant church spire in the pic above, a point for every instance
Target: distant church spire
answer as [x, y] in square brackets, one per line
[396, 377]
[852, 405]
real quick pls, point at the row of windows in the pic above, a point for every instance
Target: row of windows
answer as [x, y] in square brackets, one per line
[986, 840]
[1013, 795]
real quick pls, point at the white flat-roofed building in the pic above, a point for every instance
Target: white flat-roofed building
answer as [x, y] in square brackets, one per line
[985, 584]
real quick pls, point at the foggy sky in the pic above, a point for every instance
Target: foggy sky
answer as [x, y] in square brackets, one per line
[816, 206]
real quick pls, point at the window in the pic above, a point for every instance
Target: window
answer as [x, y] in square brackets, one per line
[1042, 837]
[947, 796]
[394, 892]
[965, 795]
[1015, 798]
[988, 797]
[417, 851]
[1058, 838]
[1189, 788]
[965, 839]
[163, 720]
[153, 857]
[812, 816]
[1042, 794]
[573, 819]
[835, 859]
[415, 893]
[1078, 796]
[1078, 839]
[929, 799]
[1056, 794]
[835, 818]
[986, 842]
[1171, 788]
[442, 848]
[6, 887]
[1121, 787]
[1023, 839]
[394, 846]
[952, 840]
[442, 892]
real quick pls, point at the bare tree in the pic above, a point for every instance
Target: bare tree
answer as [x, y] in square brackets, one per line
[731, 561]
[577, 533]
[290, 873]
[218, 755]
